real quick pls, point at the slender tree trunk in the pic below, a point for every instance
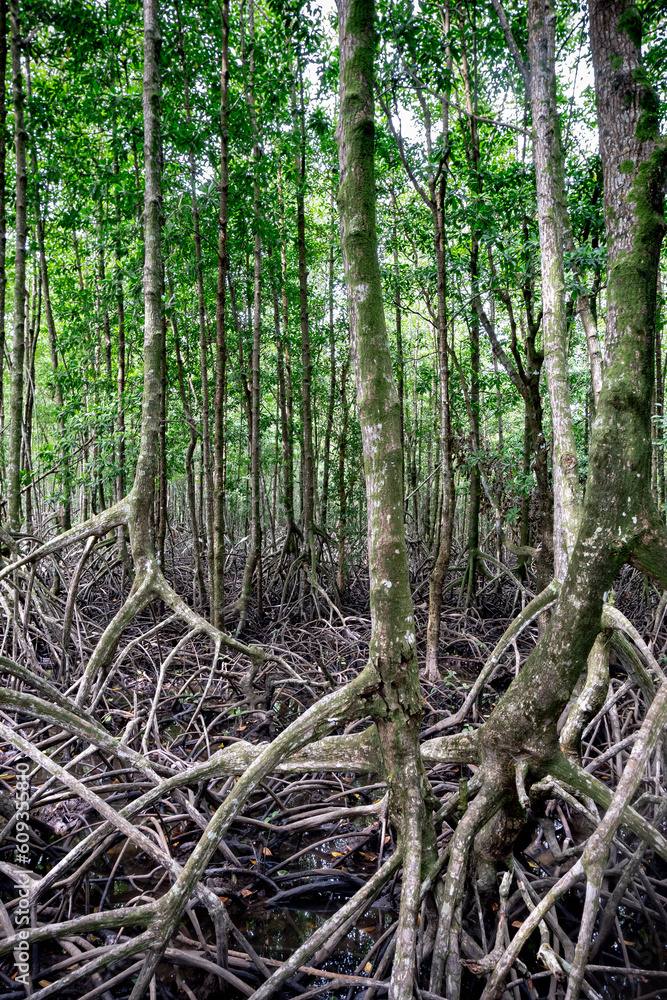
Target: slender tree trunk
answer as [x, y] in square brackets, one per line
[201, 313]
[120, 484]
[142, 495]
[525, 499]
[342, 485]
[199, 588]
[288, 459]
[161, 512]
[253, 560]
[526, 379]
[18, 346]
[545, 505]
[101, 277]
[66, 512]
[218, 610]
[3, 212]
[551, 208]
[414, 445]
[398, 314]
[120, 373]
[306, 363]
[332, 378]
[32, 333]
[473, 153]
[446, 526]
[475, 486]
[285, 383]
[392, 647]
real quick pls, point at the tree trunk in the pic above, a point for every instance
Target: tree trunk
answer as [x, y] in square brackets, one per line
[3, 212]
[161, 512]
[551, 211]
[143, 491]
[392, 648]
[218, 596]
[198, 587]
[525, 375]
[446, 527]
[285, 383]
[619, 518]
[66, 512]
[253, 558]
[201, 314]
[18, 346]
[342, 485]
[473, 154]
[120, 374]
[32, 334]
[332, 378]
[659, 426]
[102, 276]
[399, 331]
[306, 363]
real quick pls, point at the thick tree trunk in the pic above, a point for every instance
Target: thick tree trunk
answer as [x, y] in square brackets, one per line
[619, 518]
[659, 426]
[392, 648]
[18, 345]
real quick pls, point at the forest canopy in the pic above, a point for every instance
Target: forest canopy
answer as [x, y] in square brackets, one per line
[333, 558]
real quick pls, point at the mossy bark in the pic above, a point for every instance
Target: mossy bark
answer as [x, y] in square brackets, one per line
[619, 519]
[397, 708]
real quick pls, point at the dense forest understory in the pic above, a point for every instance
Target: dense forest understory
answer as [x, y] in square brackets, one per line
[333, 558]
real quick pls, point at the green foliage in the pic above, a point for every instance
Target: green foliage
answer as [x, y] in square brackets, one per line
[84, 124]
